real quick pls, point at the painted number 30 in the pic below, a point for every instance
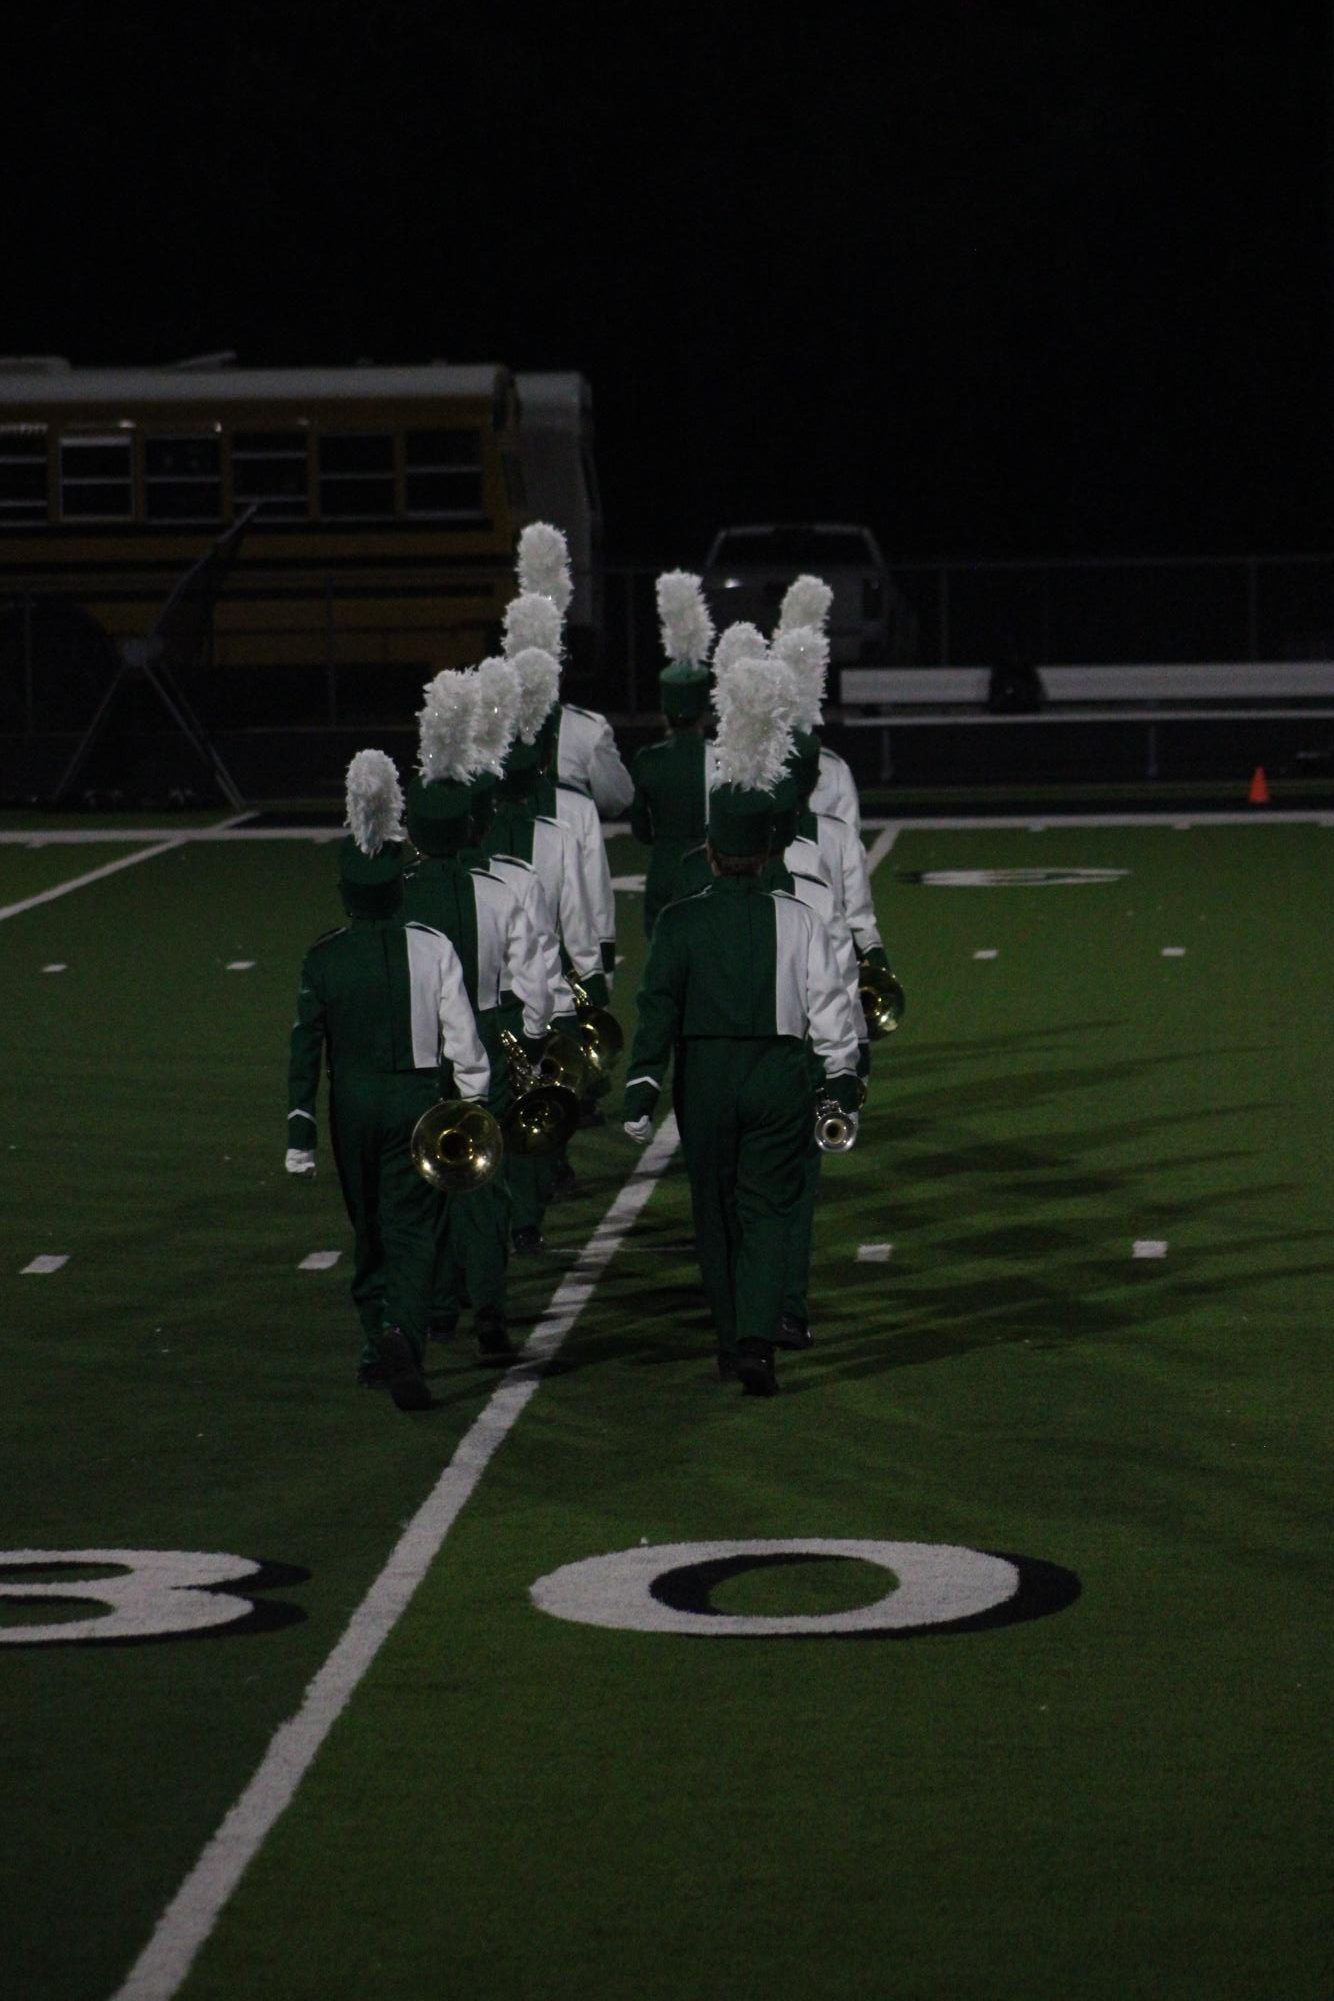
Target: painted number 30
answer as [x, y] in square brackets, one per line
[143, 1594]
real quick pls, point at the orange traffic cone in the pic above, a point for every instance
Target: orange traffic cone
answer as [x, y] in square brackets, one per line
[1259, 792]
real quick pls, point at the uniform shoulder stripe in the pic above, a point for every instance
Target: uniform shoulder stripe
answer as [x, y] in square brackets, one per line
[573, 709]
[513, 861]
[327, 937]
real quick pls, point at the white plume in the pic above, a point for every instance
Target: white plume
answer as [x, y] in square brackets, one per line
[497, 713]
[738, 641]
[532, 620]
[445, 726]
[374, 801]
[687, 629]
[539, 684]
[544, 563]
[805, 650]
[805, 602]
[754, 702]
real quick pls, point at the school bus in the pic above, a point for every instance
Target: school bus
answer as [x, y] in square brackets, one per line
[388, 503]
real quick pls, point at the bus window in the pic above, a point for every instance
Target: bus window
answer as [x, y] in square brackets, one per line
[269, 470]
[444, 474]
[97, 478]
[22, 474]
[182, 479]
[357, 476]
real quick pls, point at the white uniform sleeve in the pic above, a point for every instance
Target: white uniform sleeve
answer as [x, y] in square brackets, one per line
[857, 905]
[609, 782]
[594, 867]
[836, 791]
[538, 911]
[578, 931]
[526, 971]
[458, 1030]
[833, 1030]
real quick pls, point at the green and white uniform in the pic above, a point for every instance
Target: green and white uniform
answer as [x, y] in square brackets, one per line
[498, 950]
[843, 863]
[575, 810]
[738, 977]
[383, 1003]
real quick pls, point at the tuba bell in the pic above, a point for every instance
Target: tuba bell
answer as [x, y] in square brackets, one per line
[456, 1145]
[603, 1037]
[882, 998]
[545, 1111]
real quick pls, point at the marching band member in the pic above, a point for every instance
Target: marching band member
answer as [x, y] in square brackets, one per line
[673, 778]
[586, 754]
[383, 1002]
[806, 602]
[737, 978]
[498, 949]
[518, 831]
[535, 620]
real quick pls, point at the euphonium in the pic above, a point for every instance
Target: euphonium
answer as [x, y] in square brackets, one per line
[456, 1145]
[603, 1036]
[545, 1110]
[882, 998]
[835, 1129]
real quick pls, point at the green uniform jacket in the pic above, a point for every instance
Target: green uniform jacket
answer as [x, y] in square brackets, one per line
[670, 810]
[740, 960]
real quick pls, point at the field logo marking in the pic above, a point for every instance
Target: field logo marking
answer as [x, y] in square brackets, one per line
[1008, 878]
[666, 1589]
[151, 1594]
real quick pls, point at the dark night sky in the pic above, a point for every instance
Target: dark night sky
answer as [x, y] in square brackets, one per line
[1050, 277]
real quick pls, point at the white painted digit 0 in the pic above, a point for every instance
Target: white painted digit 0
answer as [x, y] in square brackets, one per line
[936, 1584]
[153, 1593]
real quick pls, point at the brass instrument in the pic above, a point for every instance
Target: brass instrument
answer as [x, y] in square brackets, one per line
[882, 998]
[545, 1111]
[603, 1036]
[835, 1129]
[456, 1145]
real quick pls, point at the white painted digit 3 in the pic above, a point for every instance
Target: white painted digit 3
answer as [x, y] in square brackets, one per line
[153, 1593]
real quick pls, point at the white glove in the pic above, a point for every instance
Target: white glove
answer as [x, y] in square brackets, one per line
[300, 1162]
[640, 1130]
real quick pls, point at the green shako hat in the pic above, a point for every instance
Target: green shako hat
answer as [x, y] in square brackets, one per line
[740, 820]
[683, 691]
[370, 860]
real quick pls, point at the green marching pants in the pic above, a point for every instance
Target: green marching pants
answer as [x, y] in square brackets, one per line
[796, 1284]
[393, 1212]
[473, 1244]
[744, 1110]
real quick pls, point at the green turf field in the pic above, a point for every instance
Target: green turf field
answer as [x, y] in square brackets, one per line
[1122, 1792]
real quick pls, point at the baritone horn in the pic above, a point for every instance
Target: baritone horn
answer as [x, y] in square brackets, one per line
[456, 1145]
[602, 1035]
[882, 998]
[545, 1111]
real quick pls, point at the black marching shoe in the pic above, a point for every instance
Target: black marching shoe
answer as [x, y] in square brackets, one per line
[440, 1326]
[755, 1367]
[527, 1240]
[407, 1384]
[493, 1341]
[793, 1332]
[727, 1368]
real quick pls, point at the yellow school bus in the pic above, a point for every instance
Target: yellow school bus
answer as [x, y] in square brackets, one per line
[388, 503]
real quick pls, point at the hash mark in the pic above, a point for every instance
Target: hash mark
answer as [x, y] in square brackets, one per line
[320, 1261]
[44, 1265]
[1149, 1247]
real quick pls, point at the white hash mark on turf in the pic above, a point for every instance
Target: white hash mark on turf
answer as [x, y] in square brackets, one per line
[1174, 951]
[320, 1261]
[1149, 1247]
[44, 1265]
[57, 966]
[988, 952]
[875, 1254]
[240, 965]
[194, 1910]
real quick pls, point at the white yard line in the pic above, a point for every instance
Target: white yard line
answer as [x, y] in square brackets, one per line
[883, 842]
[93, 875]
[194, 1910]
[1253, 816]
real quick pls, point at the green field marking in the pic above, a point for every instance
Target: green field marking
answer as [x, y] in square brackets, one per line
[826, 1584]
